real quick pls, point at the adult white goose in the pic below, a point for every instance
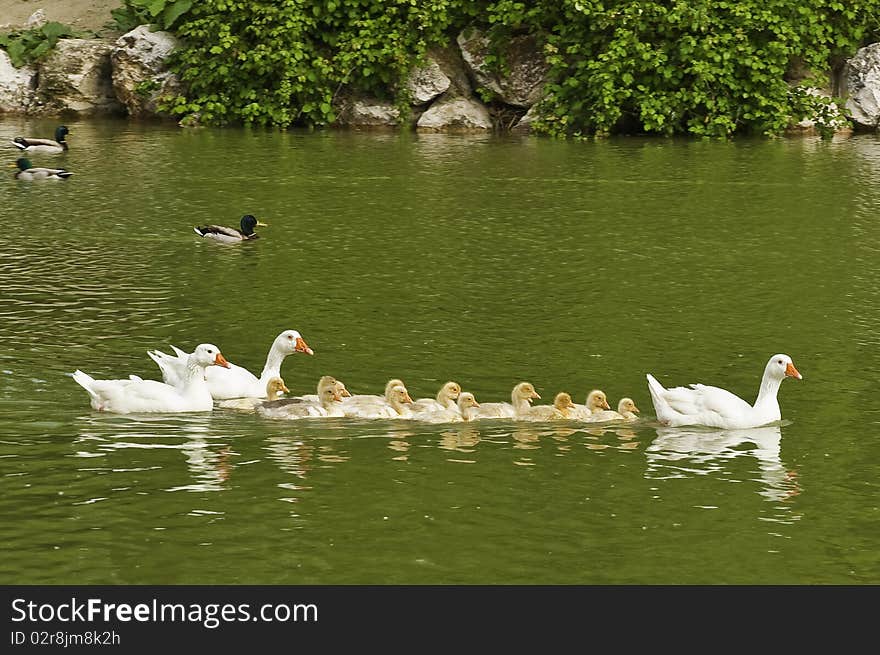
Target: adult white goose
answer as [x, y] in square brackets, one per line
[137, 395]
[718, 408]
[274, 388]
[235, 381]
[295, 408]
[520, 402]
[445, 400]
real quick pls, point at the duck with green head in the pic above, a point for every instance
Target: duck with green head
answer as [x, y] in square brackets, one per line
[225, 234]
[27, 172]
[46, 146]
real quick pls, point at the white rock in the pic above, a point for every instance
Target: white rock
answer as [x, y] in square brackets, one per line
[524, 85]
[140, 74]
[455, 114]
[371, 113]
[16, 86]
[75, 77]
[426, 83]
[36, 19]
[863, 87]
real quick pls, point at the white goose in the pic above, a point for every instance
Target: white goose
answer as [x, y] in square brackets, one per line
[718, 408]
[520, 402]
[445, 400]
[235, 381]
[137, 395]
[329, 395]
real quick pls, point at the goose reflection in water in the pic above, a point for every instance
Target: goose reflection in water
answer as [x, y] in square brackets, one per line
[685, 452]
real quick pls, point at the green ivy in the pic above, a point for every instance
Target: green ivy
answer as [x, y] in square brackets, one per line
[699, 67]
[27, 46]
[161, 13]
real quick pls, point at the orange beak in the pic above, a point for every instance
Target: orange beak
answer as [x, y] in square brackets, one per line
[792, 372]
[220, 360]
[302, 347]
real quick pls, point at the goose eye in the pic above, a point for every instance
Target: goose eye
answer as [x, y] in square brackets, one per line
[778, 361]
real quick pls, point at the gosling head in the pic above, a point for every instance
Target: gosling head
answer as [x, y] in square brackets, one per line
[399, 395]
[450, 390]
[597, 400]
[274, 387]
[563, 401]
[394, 382]
[524, 391]
[341, 390]
[466, 400]
[627, 405]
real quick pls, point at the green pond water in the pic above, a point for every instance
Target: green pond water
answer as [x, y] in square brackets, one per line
[480, 259]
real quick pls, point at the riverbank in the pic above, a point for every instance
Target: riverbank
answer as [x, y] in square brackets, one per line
[88, 15]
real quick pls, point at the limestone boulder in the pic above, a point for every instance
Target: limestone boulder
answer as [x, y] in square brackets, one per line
[368, 112]
[16, 86]
[427, 82]
[139, 70]
[862, 75]
[75, 77]
[524, 84]
[455, 114]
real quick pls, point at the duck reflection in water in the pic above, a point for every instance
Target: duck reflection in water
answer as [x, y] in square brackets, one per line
[463, 439]
[684, 452]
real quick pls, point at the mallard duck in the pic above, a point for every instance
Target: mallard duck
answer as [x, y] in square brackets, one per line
[26, 171]
[274, 388]
[718, 408]
[627, 409]
[236, 381]
[46, 146]
[225, 234]
[138, 395]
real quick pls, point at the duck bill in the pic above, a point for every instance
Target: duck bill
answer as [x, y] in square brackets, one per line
[792, 372]
[605, 405]
[284, 389]
[302, 347]
[261, 224]
[220, 360]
